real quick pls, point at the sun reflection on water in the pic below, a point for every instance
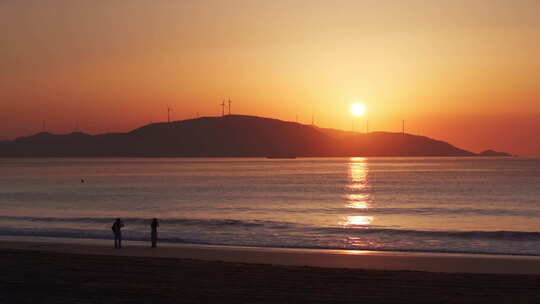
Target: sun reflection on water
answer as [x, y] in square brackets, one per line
[357, 201]
[358, 172]
[359, 198]
[358, 220]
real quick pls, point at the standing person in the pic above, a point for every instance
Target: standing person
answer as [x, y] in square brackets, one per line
[117, 230]
[154, 225]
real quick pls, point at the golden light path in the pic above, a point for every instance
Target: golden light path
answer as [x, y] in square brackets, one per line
[358, 220]
[359, 199]
[358, 172]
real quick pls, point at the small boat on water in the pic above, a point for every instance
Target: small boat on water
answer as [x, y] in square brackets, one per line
[281, 157]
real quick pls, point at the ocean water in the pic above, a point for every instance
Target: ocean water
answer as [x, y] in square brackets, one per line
[462, 205]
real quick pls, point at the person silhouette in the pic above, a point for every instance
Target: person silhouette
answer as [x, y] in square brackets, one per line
[117, 230]
[153, 226]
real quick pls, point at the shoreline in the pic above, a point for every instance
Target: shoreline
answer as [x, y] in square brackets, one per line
[138, 243]
[265, 157]
[324, 258]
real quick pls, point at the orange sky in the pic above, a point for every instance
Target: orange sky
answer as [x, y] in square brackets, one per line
[462, 71]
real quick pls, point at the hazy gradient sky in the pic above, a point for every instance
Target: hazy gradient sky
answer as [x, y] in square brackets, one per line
[463, 71]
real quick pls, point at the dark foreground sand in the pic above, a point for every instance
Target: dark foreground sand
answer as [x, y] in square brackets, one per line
[30, 275]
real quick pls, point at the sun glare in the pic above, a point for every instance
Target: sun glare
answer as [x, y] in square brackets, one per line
[358, 109]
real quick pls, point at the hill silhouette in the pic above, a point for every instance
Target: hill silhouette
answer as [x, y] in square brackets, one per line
[228, 136]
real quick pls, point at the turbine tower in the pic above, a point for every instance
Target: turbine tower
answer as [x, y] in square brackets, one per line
[230, 106]
[222, 104]
[169, 113]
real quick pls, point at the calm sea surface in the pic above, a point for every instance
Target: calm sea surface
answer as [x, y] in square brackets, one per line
[467, 205]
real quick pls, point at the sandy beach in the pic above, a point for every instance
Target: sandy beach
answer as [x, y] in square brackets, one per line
[41, 272]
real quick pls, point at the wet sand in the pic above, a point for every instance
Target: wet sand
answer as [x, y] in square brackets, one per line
[66, 273]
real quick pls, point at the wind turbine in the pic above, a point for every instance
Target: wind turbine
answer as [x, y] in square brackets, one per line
[169, 110]
[222, 104]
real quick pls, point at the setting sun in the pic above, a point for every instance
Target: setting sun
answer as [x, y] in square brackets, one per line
[358, 109]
